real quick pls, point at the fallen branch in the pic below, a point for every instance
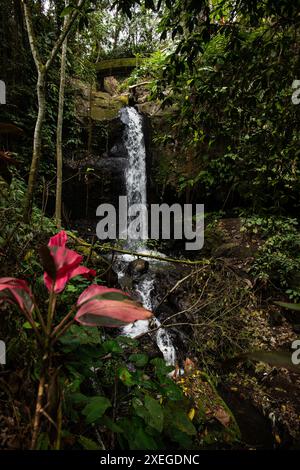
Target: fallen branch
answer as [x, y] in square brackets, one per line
[157, 257]
[107, 247]
[81, 242]
[132, 87]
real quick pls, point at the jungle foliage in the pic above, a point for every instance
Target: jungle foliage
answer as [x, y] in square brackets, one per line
[222, 74]
[229, 80]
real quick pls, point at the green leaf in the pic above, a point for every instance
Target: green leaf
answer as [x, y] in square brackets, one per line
[140, 360]
[139, 408]
[144, 441]
[290, 306]
[172, 391]
[112, 346]
[181, 421]
[274, 358]
[89, 444]
[113, 296]
[161, 369]
[156, 416]
[27, 325]
[127, 341]
[135, 434]
[80, 335]
[110, 424]
[150, 411]
[95, 408]
[182, 438]
[125, 376]
[79, 398]
[66, 11]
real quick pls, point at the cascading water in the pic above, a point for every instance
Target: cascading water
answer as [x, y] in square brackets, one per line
[136, 188]
[135, 173]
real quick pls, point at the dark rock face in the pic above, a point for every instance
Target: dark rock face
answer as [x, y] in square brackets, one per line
[117, 151]
[96, 178]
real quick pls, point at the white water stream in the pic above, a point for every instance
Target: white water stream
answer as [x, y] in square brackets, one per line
[136, 188]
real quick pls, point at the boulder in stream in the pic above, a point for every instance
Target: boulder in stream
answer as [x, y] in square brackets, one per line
[138, 266]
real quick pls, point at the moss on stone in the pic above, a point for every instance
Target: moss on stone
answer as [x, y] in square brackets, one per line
[105, 107]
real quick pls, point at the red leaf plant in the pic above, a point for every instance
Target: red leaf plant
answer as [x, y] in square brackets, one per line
[96, 306]
[99, 305]
[17, 292]
[67, 263]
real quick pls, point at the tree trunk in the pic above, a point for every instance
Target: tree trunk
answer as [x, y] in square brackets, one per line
[90, 122]
[42, 70]
[59, 153]
[37, 144]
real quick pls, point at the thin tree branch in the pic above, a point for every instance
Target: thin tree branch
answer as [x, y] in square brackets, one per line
[64, 33]
[178, 283]
[31, 36]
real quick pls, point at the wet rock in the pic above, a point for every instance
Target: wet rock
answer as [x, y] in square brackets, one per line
[105, 107]
[118, 151]
[126, 283]
[99, 105]
[164, 311]
[111, 85]
[138, 266]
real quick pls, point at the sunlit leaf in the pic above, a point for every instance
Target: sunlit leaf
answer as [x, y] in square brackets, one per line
[66, 11]
[125, 376]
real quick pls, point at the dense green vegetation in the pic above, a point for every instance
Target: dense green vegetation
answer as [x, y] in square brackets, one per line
[219, 85]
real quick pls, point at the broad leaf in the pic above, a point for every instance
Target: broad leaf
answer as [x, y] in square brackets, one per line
[66, 11]
[290, 306]
[125, 376]
[95, 408]
[181, 421]
[274, 358]
[140, 360]
[110, 424]
[110, 313]
[89, 444]
[112, 346]
[155, 413]
[48, 262]
[80, 335]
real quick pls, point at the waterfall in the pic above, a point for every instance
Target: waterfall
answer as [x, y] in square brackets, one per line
[136, 189]
[135, 173]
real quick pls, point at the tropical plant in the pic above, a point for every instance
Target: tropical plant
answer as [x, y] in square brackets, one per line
[96, 306]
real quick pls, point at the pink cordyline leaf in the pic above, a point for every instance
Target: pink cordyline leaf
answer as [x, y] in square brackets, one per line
[18, 292]
[94, 290]
[67, 263]
[103, 306]
[60, 239]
